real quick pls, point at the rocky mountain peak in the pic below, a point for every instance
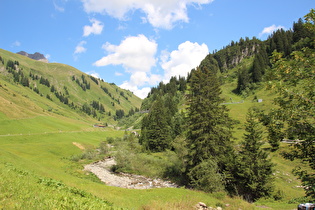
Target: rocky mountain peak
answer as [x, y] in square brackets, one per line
[36, 56]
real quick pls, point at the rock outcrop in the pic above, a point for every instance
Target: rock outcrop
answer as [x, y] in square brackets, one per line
[36, 56]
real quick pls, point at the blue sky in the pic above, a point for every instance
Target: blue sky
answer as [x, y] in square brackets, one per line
[138, 43]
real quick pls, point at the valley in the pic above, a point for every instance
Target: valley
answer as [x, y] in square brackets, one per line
[69, 140]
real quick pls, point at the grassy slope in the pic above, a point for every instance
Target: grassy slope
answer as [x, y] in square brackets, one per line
[60, 76]
[46, 155]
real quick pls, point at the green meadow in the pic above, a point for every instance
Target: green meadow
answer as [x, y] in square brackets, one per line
[36, 172]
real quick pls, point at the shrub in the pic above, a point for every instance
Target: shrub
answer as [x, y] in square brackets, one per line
[205, 176]
[104, 148]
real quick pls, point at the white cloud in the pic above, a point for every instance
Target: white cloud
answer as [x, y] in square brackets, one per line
[137, 82]
[181, 61]
[270, 29]
[137, 56]
[142, 78]
[159, 13]
[96, 28]
[16, 44]
[79, 48]
[141, 93]
[135, 53]
[94, 74]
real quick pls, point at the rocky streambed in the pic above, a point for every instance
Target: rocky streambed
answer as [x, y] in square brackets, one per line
[102, 170]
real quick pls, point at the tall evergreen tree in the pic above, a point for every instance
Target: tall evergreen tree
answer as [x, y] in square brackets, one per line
[243, 79]
[156, 132]
[254, 171]
[257, 70]
[209, 126]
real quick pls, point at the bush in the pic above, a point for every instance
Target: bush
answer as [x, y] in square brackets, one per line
[104, 148]
[205, 177]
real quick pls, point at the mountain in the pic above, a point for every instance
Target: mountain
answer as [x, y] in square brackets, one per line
[36, 56]
[30, 88]
[240, 67]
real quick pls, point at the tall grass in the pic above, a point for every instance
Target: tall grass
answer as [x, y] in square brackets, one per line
[20, 189]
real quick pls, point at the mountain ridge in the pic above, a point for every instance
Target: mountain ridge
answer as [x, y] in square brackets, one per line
[36, 56]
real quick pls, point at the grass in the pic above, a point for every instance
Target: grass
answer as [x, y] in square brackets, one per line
[15, 98]
[28, 191]
[46, 156]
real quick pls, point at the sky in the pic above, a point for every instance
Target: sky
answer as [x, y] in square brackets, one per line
[136, 44]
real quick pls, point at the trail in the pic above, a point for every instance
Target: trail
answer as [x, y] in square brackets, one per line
[80, 146]
[102, 170]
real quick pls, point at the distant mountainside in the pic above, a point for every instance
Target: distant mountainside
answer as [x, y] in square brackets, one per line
[30, 88]
[36, 56]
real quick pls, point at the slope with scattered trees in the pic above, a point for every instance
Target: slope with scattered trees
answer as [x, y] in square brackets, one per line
[67, 88]
[190, 111]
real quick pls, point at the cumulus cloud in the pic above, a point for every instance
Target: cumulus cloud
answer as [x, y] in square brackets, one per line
[95, 28]
[80, 48]
[181, 61]
[140, 83]
[140, 92]
[270, 29]
[159, 13]
[137, 56]
[135, 53]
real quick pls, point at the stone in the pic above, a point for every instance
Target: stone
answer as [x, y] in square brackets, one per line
[36, 56]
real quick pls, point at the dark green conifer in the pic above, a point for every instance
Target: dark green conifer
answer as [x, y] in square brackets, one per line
[209, 126]
[156, 132]
[254, 170]
[243, 80]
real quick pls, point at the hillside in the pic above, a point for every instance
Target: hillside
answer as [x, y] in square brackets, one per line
[31, 88]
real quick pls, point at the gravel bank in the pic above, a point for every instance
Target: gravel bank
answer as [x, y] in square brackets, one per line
[102, 170]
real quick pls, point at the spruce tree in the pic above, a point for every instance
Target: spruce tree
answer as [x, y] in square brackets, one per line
[209, 126]
[243, 80]
[254, 170]
[156, 132]
[257, 70]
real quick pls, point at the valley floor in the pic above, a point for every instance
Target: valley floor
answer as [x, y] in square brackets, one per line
[102, 170]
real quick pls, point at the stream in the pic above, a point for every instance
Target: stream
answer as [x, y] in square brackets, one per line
[102, 170]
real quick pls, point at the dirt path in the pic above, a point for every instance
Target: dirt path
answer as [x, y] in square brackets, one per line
[78, 145]
[102, 170]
